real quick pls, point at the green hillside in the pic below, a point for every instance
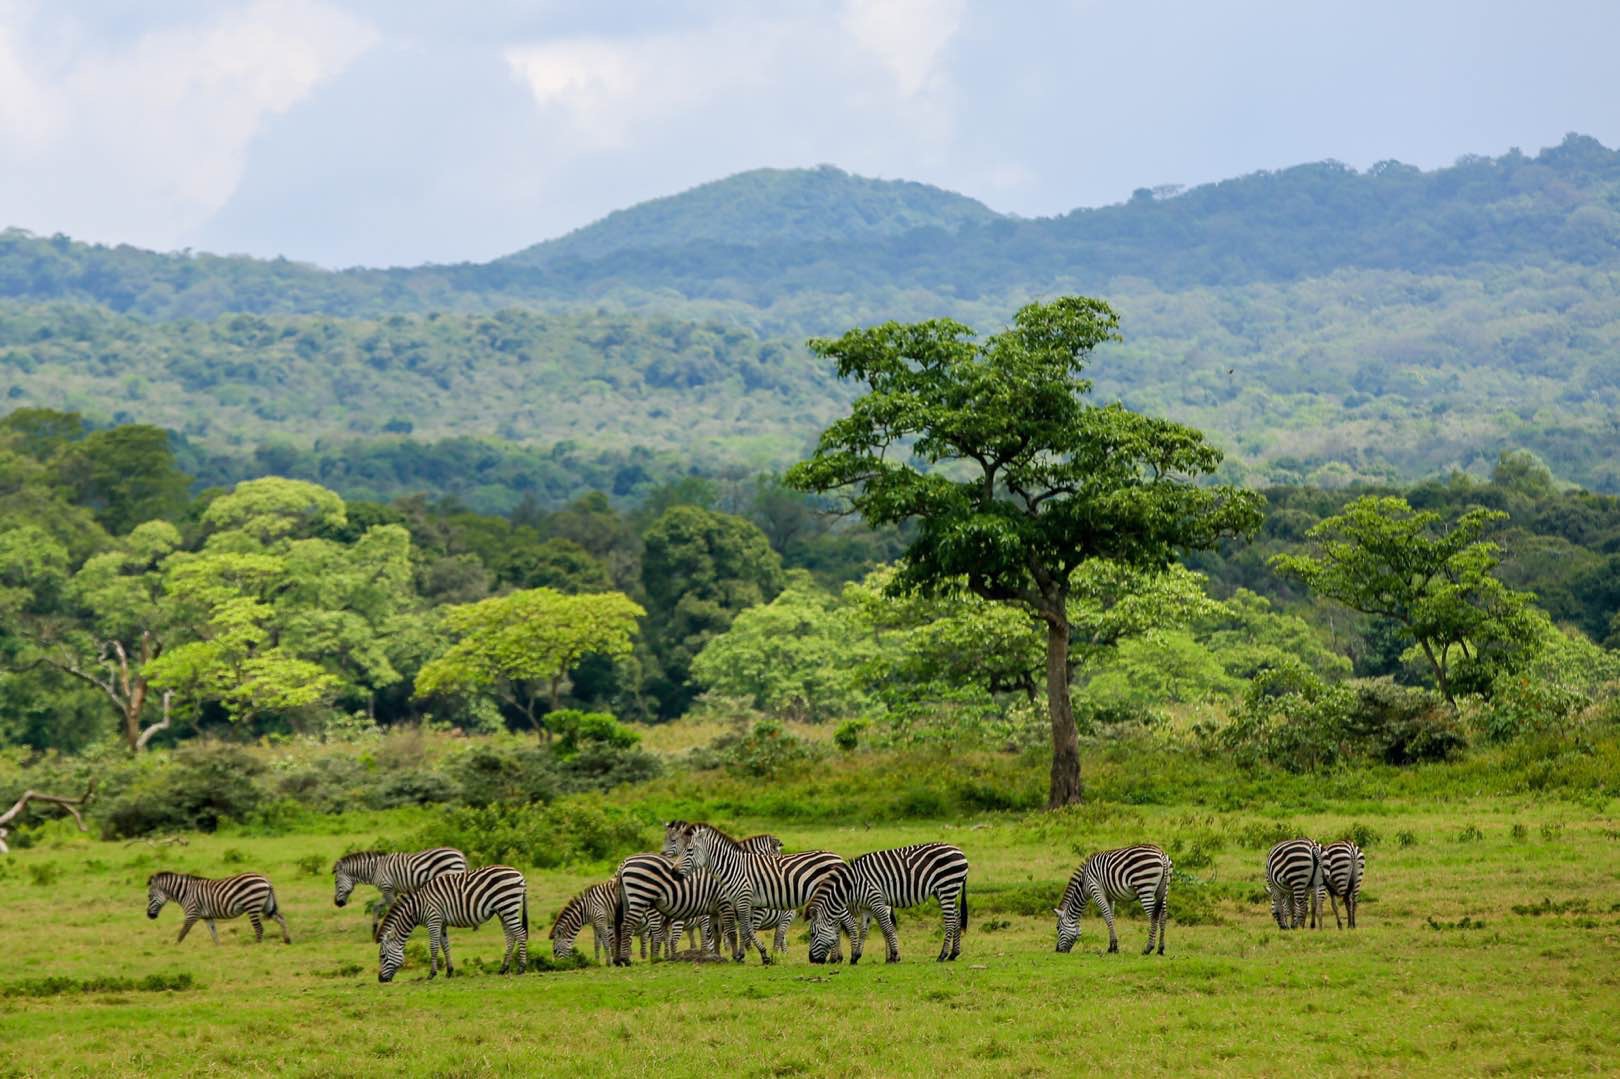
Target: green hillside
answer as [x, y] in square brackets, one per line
[1321, 322]
[767, 207]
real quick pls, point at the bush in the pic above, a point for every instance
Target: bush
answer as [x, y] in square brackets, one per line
[1402, 724]
[576, 730]
[414, 787]
[601, 766]
[493, 773]
[556, 835]
[765, 750]
[202, 784]
[848, 735]
[1522, 705]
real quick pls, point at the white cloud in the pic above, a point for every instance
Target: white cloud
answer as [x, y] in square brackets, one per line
[908, 37]
[145, 140]
[607, 88]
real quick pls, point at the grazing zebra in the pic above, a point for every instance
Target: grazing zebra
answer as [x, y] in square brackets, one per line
[466, 900]
[393, 875]
[230, 897]
[1109, 876]
[1293, 878]
[764, 843]
[1343, 865]
[593, 906]
[878, 882]
[646, 884]
[781, 882]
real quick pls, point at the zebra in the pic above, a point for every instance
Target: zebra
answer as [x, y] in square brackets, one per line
[460, 899]
[764, 843]
[646, 883]
[1343, 865]
[778, 882]
[230, 897]
[699, 899]
[593, 906]
[875, 883]
[1109, 876]
[1293, 879]
[392, 874]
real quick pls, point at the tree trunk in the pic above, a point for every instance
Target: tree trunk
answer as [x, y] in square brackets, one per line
[1066, 788]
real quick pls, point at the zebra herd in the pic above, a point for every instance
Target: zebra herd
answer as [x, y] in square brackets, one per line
[727, 891]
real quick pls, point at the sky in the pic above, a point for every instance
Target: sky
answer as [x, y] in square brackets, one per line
[395, 132]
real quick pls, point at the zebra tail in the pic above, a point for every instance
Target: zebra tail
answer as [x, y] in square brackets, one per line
[618, 917]
[525, 913]
[961, 902]
[270, 902]
[1162, 899]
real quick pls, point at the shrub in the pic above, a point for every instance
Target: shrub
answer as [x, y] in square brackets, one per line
[576, 730]
[601, 766]
[416, 786]
[1524, 705]
[1402, 724]
[848, 735]
[311, 865]
[202, 784]
[547, 837]
[1404, 838]
[493, 773]
[764, 750]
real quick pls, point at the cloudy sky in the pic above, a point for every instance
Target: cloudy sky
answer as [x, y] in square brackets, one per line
[385, 132]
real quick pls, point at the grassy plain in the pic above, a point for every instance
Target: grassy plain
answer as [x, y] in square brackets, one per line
[1489, 943]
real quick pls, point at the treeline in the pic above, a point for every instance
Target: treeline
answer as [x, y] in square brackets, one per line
[1376, 376]
[137, 609]
[1311, 220]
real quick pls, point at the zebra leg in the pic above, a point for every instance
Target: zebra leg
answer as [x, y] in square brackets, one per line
[1108, 920]
[1351, 901]
[509, 929]
[1148, 897]
[1276, 903]
[191, 920]
[209, 922]
[948, 911]
[779, 946]
[1333, 901]
[885, 920]
[857, 941]
[434, 930]
[745, 926]
[258, 927]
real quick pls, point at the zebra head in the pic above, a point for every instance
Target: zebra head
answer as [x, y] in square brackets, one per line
[156, 896]
[672, 837]
[1068, 929]
[349, 870]
[825, 910]
[691, 854]
[390, 954]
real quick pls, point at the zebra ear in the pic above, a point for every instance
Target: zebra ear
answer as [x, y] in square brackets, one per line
[1058, 911]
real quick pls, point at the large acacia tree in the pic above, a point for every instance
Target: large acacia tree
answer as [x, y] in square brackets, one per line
[1014, 479]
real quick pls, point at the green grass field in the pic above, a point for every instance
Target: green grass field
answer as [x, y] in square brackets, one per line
[1489, 942]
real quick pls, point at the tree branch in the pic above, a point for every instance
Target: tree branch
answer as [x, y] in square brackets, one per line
[72, 805]
[163, 725]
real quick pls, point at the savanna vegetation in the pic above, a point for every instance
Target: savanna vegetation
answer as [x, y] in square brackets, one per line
[509, 558]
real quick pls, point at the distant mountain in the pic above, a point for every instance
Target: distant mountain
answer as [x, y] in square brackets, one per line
[767, 208]
[1322, 323]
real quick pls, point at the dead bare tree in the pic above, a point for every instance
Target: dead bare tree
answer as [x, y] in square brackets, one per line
[72, 805]
[120, 678]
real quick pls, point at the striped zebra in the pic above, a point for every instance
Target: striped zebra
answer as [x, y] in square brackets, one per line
[1343, 865]
[874, 884]
[750, 882]
[1108, 876]
[466, 900]
[764, 843]
[393, 875]
[593, 907]
[1293, 879]
[230, 897]
[646, 884]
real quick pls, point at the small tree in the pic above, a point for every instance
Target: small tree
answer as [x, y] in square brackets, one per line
[1018, 481]
[1382, 558]
[521, 642]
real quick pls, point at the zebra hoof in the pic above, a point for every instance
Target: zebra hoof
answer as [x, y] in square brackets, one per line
[891, 959]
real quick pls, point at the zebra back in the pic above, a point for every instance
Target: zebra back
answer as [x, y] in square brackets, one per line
[1343, 865]
[1116, 874]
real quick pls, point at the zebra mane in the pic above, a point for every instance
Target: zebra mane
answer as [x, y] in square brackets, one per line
[169, 876]
[724, 838]
[403, 915]
[357, 858]
[575, 909]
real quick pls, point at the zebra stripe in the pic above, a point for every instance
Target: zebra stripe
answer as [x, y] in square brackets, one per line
[646, 883]
[1108, 876]
[1343, 866]
[874, 884]
[593, 906]
[764, 843]
[1293, 879]
[466, 900]
[753, 881]
[230, 897]
[393, 874]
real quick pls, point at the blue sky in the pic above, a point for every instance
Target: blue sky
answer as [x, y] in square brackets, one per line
[387, 132]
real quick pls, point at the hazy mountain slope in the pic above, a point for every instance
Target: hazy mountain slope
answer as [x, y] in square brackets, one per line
[767, 207]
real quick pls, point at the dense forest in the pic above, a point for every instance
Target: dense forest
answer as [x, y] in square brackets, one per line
[1324, 325]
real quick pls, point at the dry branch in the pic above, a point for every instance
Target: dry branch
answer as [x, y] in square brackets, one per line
[72, 805]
